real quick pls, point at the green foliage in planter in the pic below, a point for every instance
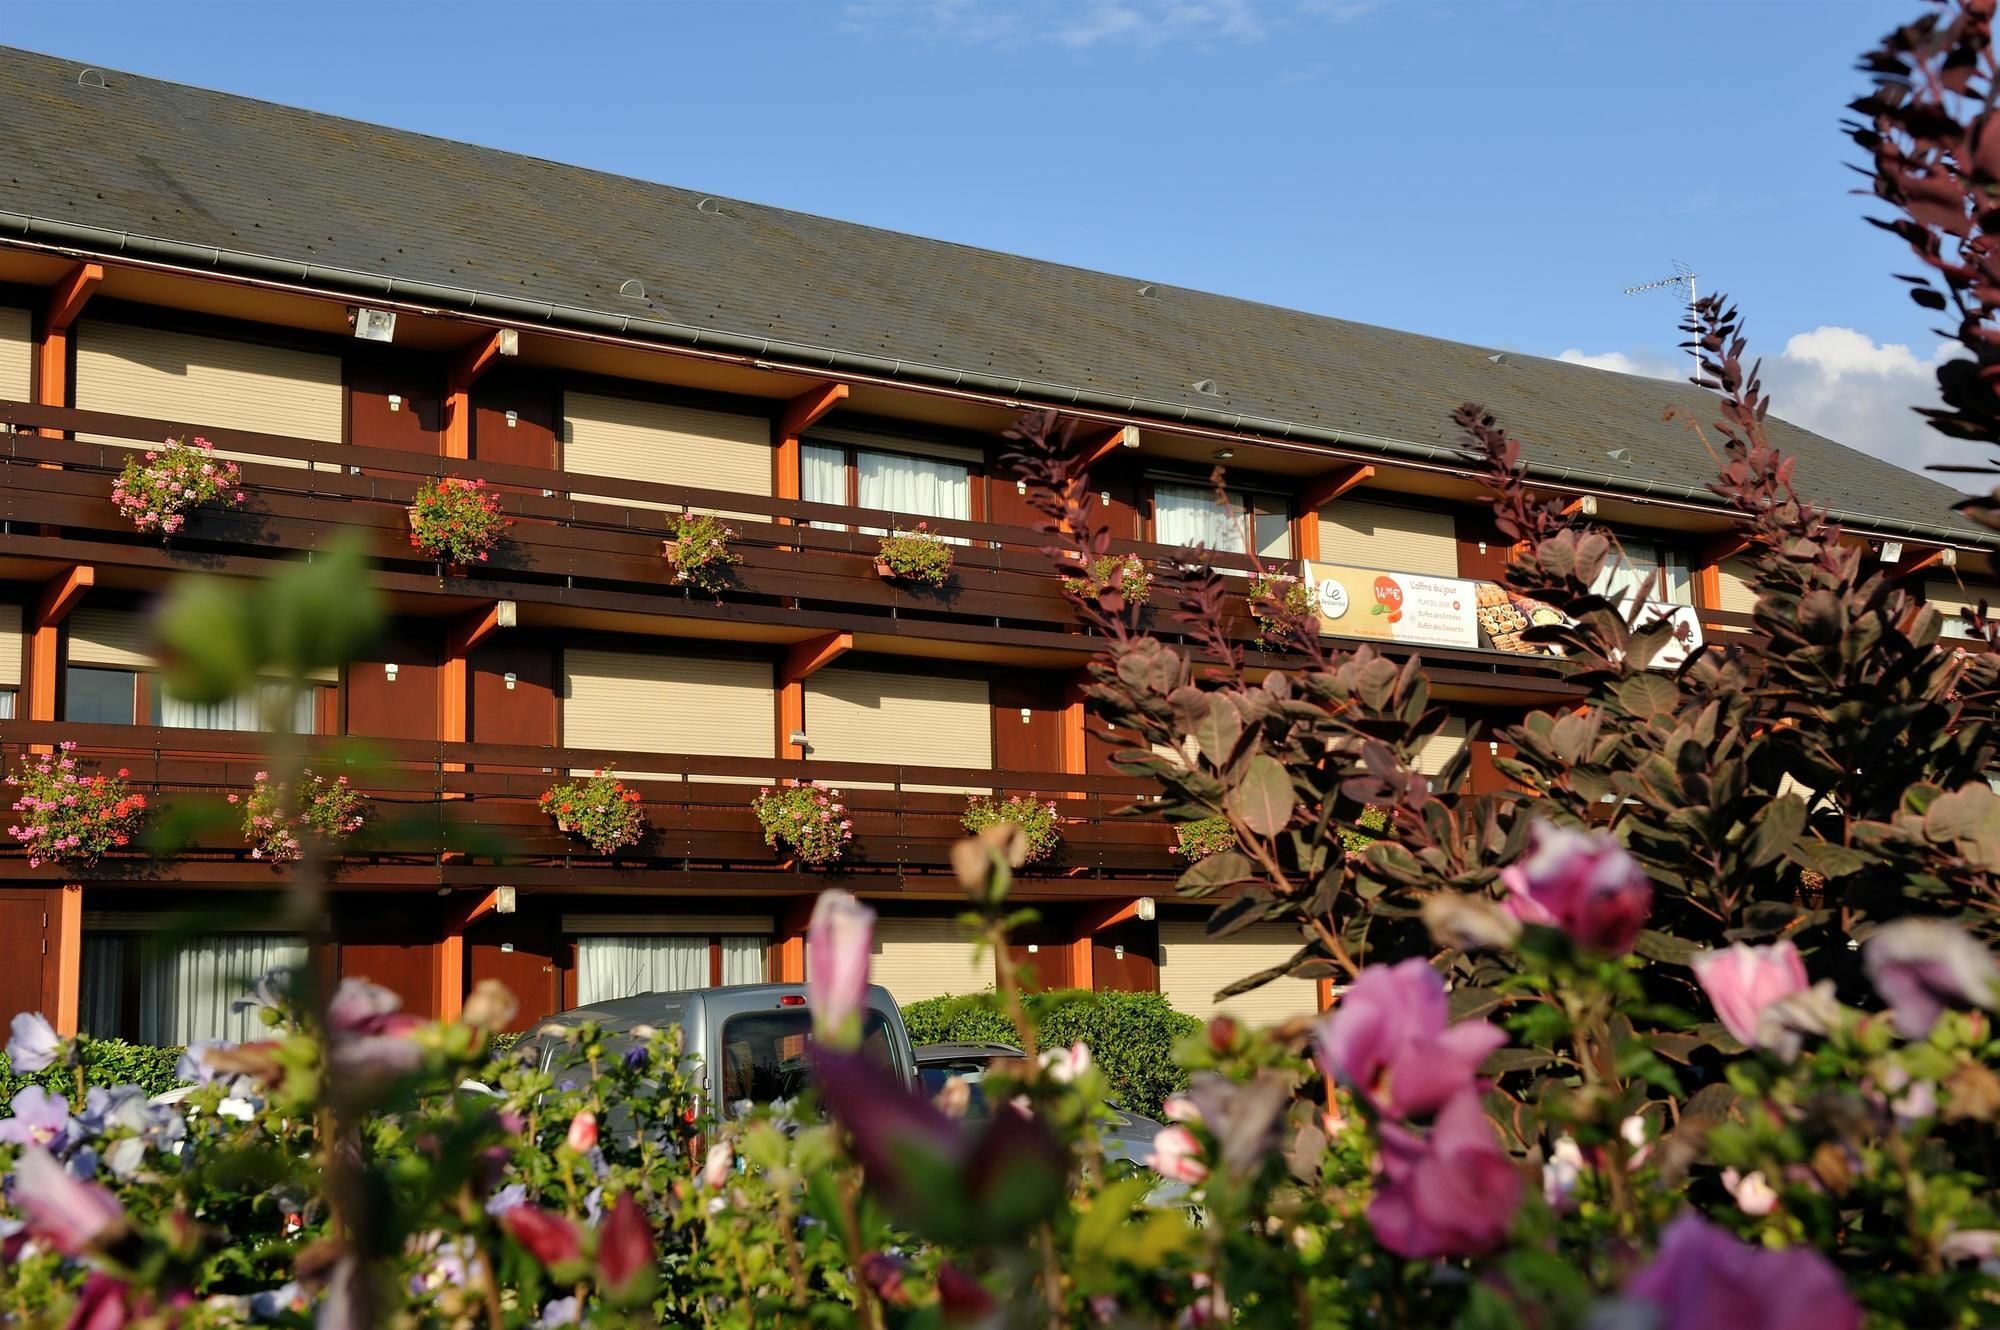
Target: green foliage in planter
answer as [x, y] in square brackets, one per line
[1278, 623]
[330, 810]
[602, 811]
[1204, 836]
[1035, 817]
[159, 489]
[700, 551]
[917, 556]
[1371, 819]
[1124, 573]
[1130, 1035]
[68, 817]
[456, 521]
[809, 819]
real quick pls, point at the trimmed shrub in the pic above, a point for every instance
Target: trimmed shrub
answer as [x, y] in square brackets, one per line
[113, 1062]
[1131, 1035]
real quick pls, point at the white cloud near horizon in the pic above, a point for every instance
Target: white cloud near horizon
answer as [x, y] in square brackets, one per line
[1843, 384]
[1080, 24]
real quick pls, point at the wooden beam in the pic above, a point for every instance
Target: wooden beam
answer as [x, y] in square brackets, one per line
[801, 662]
[1316, 494]
[791, 941]
[799, 415]
[1097, 449]
[58, 597]
[459, 912]
[466, 368]
[68, 296]
[66, 300]
[1915, 561]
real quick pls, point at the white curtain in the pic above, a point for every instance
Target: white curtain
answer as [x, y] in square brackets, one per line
[7, 704]
[186, 986]
[1189, 515]
[1621, 581]
[620, 967]
[743, 960]
[101, 1004]
[823, 478]
[248, 712]
[917, 486]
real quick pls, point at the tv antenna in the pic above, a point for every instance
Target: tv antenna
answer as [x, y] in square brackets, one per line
[1684, 277]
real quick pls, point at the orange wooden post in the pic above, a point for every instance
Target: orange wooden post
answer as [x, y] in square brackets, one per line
[454, 676]
[791, 942]
[1316, 494]
[466, 369]
[801, 662]
[66, 955]
[59, 596]
[799, 415]
[1089, 923]
[66, 300]
[458, 916]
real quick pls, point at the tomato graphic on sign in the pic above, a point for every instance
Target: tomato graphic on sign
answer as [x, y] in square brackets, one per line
[1388, 599]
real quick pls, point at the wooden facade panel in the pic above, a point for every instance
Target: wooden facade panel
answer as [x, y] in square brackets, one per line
[395, 400]
[515, 418]
[528, 711]
[1367, 534]
[526, 952]
[27, 949]
[1027, 721]
[208, 380]
[1482, 551]
[1125, 958]
[17, 353]
[1193, 968]
[407, 706]
[391, 942]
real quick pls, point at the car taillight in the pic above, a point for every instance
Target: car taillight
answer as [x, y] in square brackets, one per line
[791, 1000]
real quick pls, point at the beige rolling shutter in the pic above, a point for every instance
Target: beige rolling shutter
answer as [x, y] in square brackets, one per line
[17, 354]
[13, 645]
[1951, 600]
[905, 719]
[1392, 538]
[663, 702]
[925, 958]
[1441, 747]
[1193, 969]
[208, 381]
[120, 639]
[667, 445]
[1733, 578]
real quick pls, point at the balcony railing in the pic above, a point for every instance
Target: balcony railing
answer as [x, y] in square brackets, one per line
[593, 551]
[467, 813]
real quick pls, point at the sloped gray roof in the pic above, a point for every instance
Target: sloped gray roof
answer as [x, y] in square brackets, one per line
[250, 186]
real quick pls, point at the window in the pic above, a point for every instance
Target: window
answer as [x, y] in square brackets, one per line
[98, 696]
[764, 1054]
[906, 483]
[1621, 580]
[166, 990]
[6, 704]
[1248, 523]
[609, 967]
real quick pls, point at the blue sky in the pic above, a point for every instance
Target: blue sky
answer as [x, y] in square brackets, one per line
[1492, 171]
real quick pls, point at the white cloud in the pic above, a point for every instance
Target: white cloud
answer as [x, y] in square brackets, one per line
[1842, 383]
[1080, 24]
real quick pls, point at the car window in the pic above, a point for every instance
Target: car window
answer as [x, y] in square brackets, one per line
[764, 1054]
[936, 1075]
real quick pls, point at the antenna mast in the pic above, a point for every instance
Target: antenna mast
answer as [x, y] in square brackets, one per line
[1684, 276]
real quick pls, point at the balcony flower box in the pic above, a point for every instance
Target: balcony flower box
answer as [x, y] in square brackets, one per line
[328, 811]
[71, 819]
[158, 490]
[1040, 826]
[603, 812]
[456, 522]
[1282, 605]
[809, 820]
[1124, 574]
[699, 552]
[915, 556]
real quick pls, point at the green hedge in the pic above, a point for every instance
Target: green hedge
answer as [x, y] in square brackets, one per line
[1131, 1035]
[117, 1063]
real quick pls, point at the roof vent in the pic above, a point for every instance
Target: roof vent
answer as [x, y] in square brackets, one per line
[713, 207]
[632, 289]
[1498, 357]
[90, 78]
[1206, 387]
[1622, 456]
[1149, 290]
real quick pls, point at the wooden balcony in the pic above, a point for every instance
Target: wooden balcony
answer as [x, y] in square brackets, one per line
[805, 566]
[448, 815]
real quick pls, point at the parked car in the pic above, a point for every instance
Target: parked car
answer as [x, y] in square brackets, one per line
[750, 1039]
[1131, 1137]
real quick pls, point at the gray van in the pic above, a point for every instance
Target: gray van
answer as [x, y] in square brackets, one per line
[750, 1038]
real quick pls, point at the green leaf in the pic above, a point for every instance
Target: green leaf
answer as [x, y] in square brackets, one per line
[1215, 872]
[1648, 695]
[1264, 798]
[210, 647]
[1218, 730]
[1775, 831]
[1664, 947]
[1826, 858]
